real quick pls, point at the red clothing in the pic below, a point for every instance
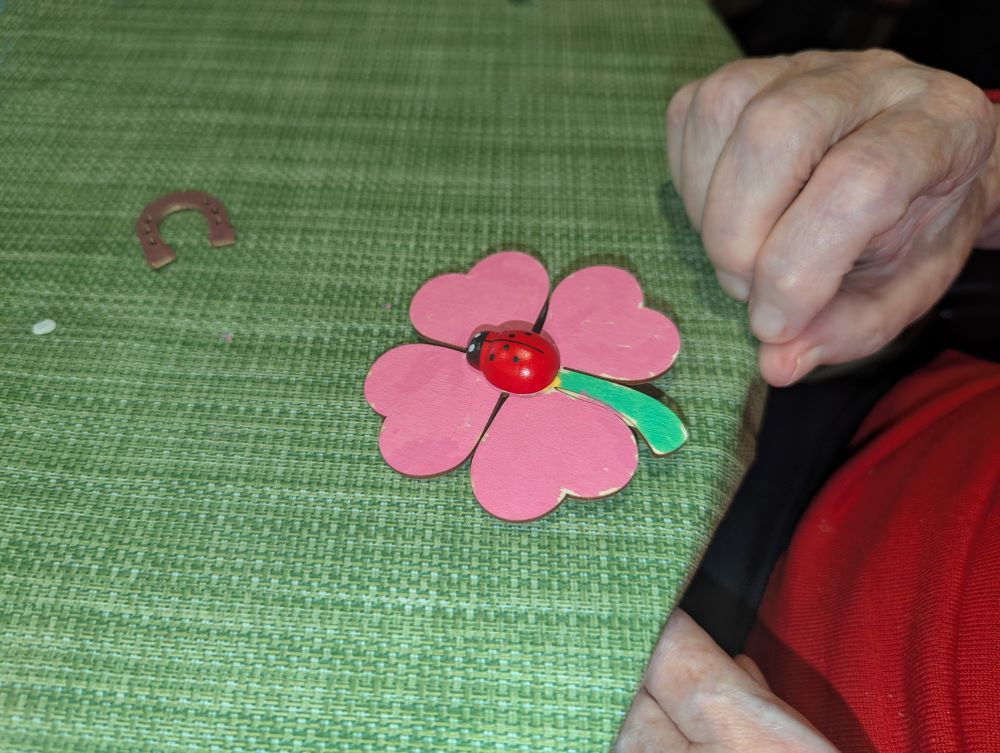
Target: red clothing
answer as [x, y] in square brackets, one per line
[882, 622]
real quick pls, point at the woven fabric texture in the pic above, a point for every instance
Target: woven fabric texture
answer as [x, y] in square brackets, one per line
[200, 546]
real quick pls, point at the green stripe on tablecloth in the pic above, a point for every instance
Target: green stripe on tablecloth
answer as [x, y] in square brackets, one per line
[200, 547]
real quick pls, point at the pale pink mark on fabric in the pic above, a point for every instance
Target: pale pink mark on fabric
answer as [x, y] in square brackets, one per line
[544, 447]
[601, 327]
[435, 406]
[505, 286]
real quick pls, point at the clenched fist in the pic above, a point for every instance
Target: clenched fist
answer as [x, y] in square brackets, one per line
[838, 193]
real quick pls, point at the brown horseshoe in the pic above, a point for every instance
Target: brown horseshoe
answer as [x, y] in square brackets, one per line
[147, 227]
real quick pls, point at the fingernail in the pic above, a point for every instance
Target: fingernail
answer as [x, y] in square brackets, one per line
[806, 363]
[766, 321]
[735, 286]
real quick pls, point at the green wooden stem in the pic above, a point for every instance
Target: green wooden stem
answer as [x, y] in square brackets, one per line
[655, 422]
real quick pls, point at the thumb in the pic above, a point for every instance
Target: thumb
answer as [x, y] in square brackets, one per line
[876, 304]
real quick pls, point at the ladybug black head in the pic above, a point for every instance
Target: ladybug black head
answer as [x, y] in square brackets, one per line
[475, 348]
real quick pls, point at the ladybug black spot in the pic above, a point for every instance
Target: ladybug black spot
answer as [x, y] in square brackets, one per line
[492, 356]
[506, 347]
[515, 359]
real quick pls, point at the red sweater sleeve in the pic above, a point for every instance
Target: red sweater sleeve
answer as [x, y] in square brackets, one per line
[882, 622]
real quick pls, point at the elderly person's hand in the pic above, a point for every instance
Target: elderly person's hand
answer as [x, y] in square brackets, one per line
[696, 698]
[839, 193]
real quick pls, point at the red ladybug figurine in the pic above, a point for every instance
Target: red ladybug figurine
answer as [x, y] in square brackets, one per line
[514, 360]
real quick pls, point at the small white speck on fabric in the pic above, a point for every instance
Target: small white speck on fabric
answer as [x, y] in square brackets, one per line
[43, 327]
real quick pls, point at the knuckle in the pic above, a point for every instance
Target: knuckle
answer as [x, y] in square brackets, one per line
[959, 96]
[778, 122]
[969, 103]
[868, 181]
[722, 96]
[778, 273]
[874, 170]
[966, 123]
[881, 58]
[814, 58]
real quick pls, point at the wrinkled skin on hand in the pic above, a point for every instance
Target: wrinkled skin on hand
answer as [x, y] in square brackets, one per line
[839, 194]
[694, 697]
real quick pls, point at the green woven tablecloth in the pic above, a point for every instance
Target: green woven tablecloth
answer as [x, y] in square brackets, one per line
[200, 546]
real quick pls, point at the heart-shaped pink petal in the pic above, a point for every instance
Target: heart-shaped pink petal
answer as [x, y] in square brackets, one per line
[436, 407]
[598, 321]
[543, 447]
[507, 286]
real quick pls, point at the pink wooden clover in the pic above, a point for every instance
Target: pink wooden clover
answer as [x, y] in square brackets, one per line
[533, 392]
